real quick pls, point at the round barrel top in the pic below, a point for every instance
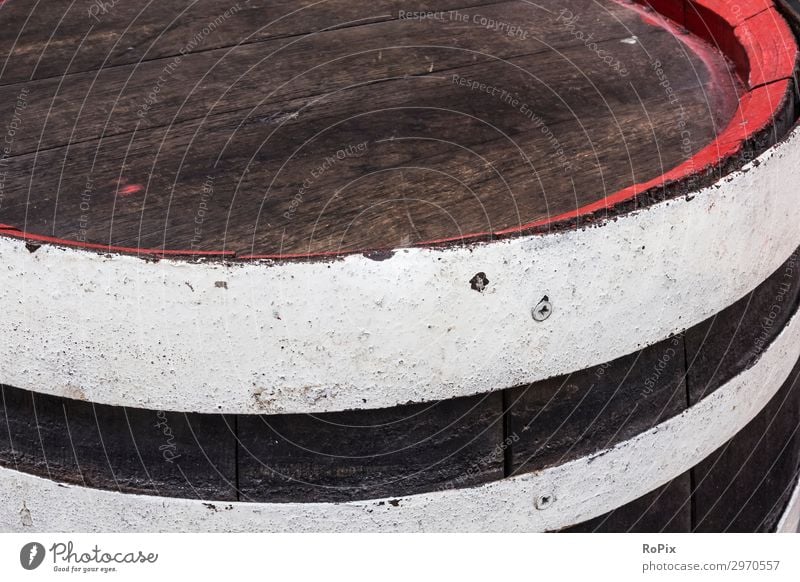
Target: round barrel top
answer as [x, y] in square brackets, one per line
[281, 128]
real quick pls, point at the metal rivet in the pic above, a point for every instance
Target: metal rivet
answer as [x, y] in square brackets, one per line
[543, 309]
[544, 501]
[479, 282]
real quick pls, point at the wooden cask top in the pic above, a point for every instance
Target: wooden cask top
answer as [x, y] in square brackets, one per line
[291, 128]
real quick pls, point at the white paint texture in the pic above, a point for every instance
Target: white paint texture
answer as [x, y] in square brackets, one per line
[359, 333]
[790, 521]
[577, 491]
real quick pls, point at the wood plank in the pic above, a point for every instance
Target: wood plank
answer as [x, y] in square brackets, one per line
[126, 450]
[568, 417]
[58, 37]
[167, 91]
[391, 452]
[143, 196]
[245, 166]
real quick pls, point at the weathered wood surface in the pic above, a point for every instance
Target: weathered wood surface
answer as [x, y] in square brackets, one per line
[121, 449]
[745, 485]
[568, 417]
[328, 457]
[352, 455]
[234, 145]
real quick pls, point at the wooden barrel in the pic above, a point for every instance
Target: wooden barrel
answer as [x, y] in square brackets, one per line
[437, 266]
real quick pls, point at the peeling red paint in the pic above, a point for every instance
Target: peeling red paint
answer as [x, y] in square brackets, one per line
[130, 190]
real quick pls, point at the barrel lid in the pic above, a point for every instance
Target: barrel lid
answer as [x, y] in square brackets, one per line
[343, 127]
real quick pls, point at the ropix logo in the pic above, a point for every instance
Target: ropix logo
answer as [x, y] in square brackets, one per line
[31, 555]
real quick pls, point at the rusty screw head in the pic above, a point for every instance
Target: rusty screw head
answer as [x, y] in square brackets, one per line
[543, 309]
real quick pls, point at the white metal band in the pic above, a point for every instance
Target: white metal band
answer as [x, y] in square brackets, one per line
[550, 499]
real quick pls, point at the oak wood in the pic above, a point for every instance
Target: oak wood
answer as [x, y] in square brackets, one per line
[383, 453]
[122, 449]
[246, 118]
[571, 416]
[720, 347]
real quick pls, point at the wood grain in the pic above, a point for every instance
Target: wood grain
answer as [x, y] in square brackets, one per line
[122, 449]
[390, 452]
[250, 140]
[569, 417]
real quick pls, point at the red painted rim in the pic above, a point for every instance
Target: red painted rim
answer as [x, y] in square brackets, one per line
[754, 36]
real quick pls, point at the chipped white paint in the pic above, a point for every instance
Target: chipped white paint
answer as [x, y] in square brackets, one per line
[790, 521]
[550, 499]
[359, 333]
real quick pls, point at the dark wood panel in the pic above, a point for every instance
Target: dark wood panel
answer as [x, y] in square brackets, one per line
[568, 417]
[249, 137]
[721, 347]
[745, 485]
[391, 452]
[120, 99]
[128, 450]
[335, 456]
[668, 509]
[389, 190]
[58, 37]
